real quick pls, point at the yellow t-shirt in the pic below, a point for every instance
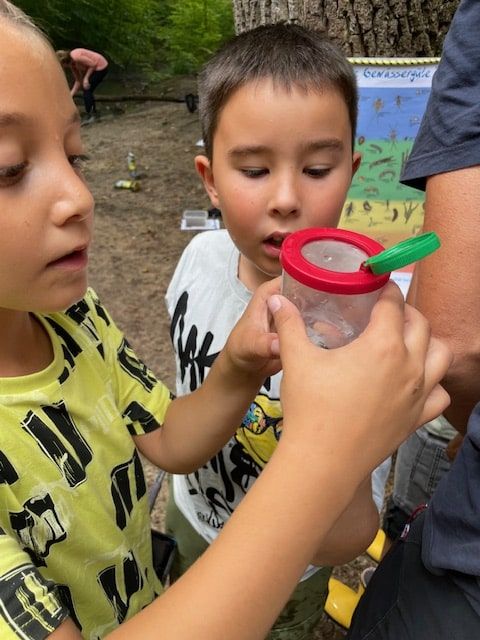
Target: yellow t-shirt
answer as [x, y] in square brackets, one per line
[74, 523]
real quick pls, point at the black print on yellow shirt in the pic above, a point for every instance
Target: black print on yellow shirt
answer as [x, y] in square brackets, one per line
[39, 527]
[8, 475]
[135, 412]
[71, 467]
[79, 313]
[135, 367]
[71, 349]
[27, 616]
[131, 581]
[128, 486]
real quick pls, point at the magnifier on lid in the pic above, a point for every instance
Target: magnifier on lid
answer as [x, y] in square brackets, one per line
[403, 253]
[334, 277]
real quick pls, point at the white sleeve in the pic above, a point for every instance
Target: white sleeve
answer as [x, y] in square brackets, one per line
[176, 280]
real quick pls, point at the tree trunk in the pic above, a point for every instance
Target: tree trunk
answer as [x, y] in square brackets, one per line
[363, 28]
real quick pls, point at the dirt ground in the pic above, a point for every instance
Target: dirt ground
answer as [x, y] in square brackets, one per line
[138, 238]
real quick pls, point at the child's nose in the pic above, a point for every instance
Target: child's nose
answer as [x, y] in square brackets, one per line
[73, 200]
[285, 197]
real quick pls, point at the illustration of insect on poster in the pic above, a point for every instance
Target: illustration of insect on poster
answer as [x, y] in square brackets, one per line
[393, 94]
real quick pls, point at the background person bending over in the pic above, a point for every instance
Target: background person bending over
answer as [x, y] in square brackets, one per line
[89, 68]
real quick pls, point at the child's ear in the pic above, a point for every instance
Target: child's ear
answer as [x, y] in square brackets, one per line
[356, 160]
[204, 170]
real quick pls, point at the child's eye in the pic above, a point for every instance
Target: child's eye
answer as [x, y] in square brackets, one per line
[317, 172]
[12, 174]
[252, 172]
[79, 161]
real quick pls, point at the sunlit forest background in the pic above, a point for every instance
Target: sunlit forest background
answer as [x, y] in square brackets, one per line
[148, 37]
[151, 40]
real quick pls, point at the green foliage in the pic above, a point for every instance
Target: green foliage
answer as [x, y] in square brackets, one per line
[148, 34]
[194, 30]
[124, 30]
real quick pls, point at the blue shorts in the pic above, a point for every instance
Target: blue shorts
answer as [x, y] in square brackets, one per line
[421, 463]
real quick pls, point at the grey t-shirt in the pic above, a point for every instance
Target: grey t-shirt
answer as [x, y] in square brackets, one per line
[449, 135]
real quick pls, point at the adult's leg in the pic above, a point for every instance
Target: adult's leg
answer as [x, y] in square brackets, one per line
[88, 97]
[421, 463]
[404, 601]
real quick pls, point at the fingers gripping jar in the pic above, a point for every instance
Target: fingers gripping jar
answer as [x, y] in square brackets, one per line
[324, 278]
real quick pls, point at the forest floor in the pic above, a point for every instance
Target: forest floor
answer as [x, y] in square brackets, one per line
[138, 238]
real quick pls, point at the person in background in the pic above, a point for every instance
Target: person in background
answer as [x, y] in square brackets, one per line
[428, 585]
[89, 68]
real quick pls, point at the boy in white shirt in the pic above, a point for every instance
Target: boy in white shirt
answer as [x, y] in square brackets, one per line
[278, 107]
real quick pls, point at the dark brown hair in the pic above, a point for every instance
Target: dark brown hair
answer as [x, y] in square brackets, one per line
[64, 57]
[289, 54]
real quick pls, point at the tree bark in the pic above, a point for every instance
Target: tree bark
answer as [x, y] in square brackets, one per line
[363, 28]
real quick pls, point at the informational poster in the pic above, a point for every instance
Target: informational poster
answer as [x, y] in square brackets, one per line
[393, 94]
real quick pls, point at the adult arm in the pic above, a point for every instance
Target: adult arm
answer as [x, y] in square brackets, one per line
[78, 79]
[86, 78]
[447, 149]
[445, 287]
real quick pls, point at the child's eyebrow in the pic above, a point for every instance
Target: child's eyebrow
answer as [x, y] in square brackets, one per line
[315, 145]
[328, 143]
[9, 119]
[247, 150]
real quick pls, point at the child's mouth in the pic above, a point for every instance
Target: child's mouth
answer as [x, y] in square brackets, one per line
[277, 238]
[75, 260]
[277, 242]
[273, 244]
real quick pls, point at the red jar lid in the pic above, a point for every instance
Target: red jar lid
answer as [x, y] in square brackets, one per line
[356, 282]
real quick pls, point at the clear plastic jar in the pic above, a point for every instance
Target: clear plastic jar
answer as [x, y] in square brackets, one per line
[324, 278]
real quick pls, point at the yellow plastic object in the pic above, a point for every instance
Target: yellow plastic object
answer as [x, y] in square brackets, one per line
[342, 601]
[376, 548]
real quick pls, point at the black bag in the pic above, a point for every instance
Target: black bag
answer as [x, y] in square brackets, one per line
[163, 548]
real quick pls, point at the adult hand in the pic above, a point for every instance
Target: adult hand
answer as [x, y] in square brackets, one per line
[86, 85]
[361, 400]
